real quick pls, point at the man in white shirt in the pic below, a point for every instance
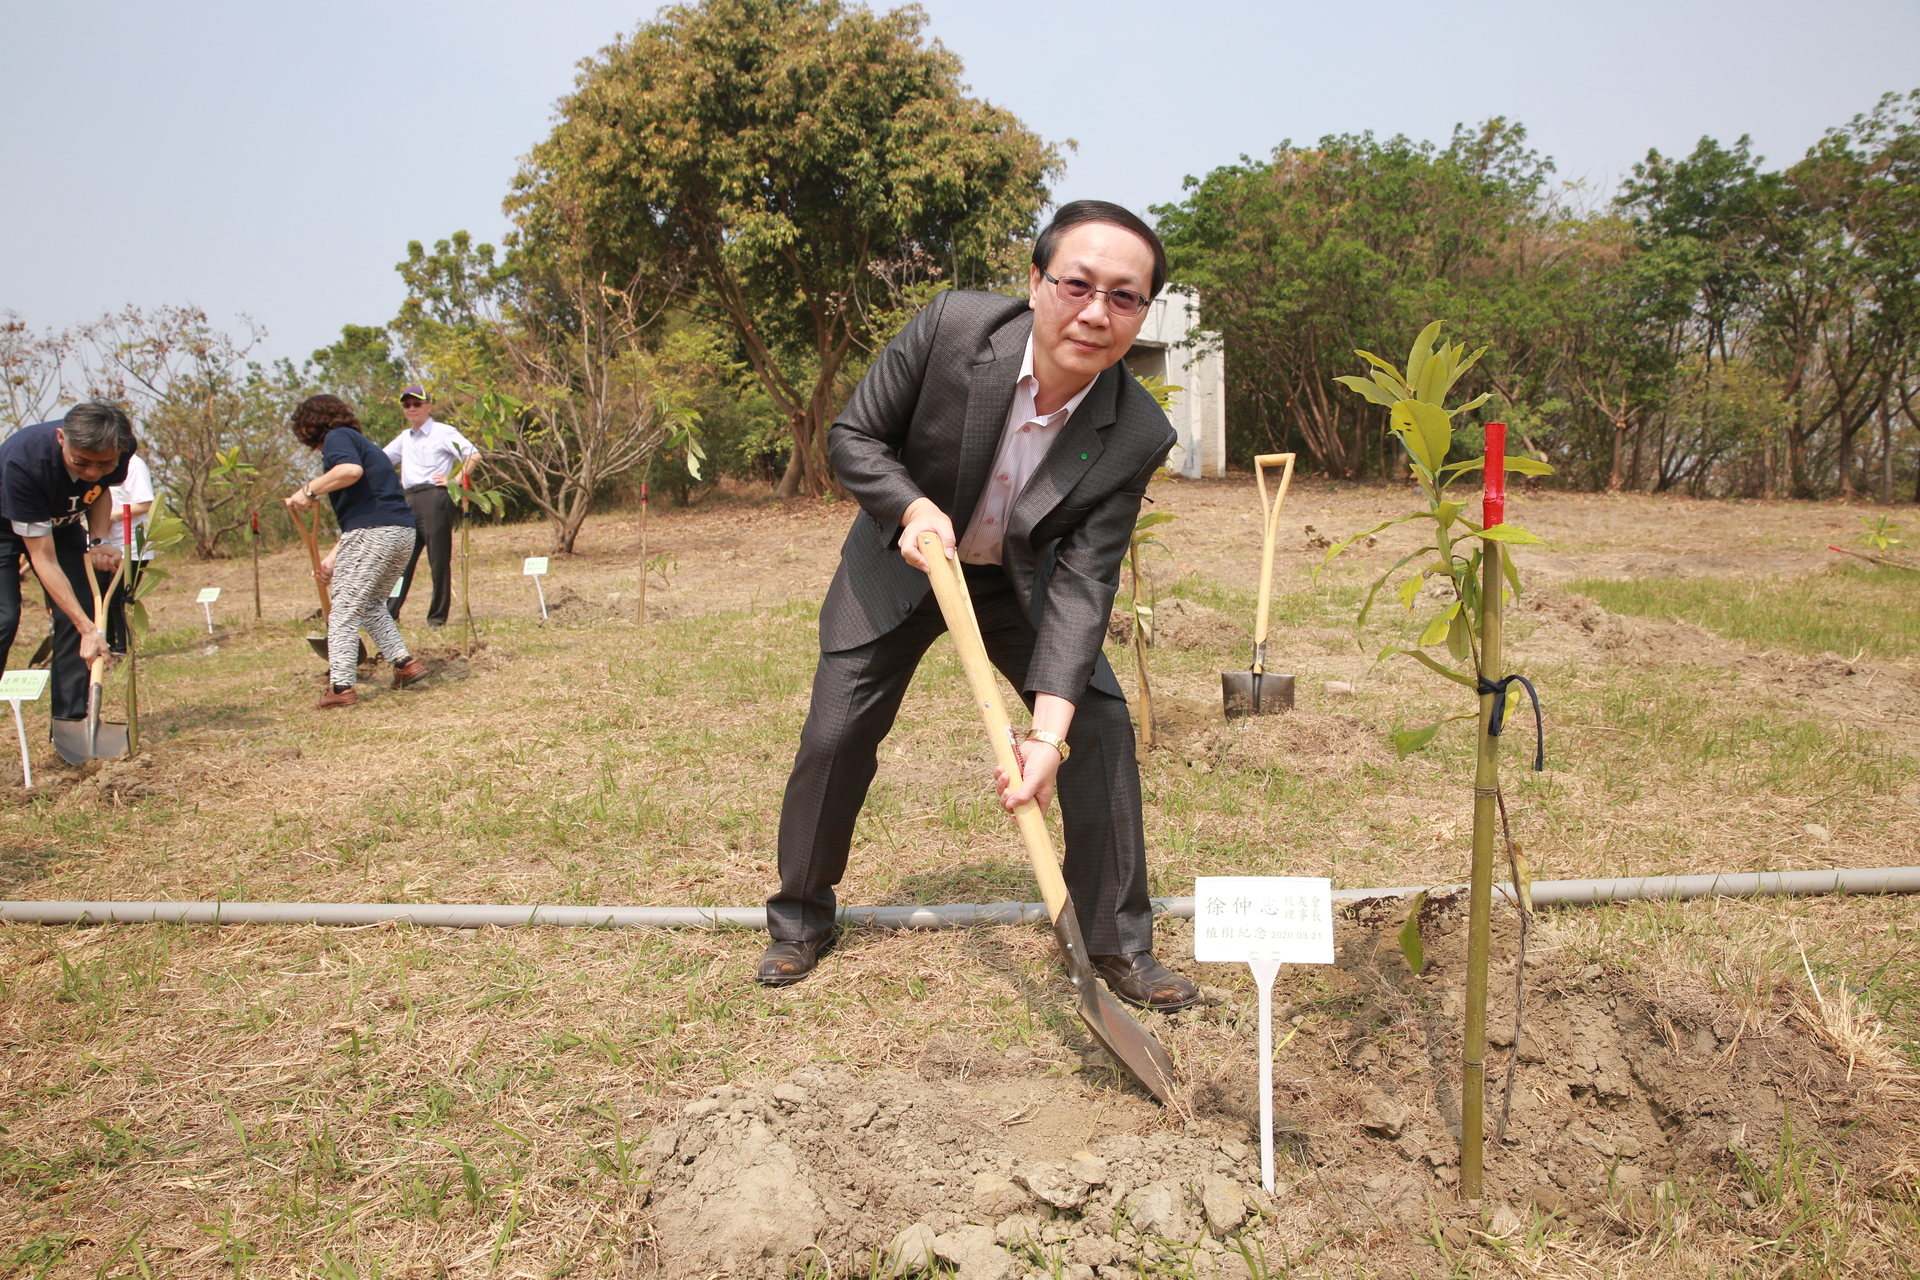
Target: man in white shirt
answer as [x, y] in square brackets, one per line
[430, 455]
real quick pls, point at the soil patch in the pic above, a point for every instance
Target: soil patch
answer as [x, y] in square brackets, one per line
[1630, 1105]
[568, 608]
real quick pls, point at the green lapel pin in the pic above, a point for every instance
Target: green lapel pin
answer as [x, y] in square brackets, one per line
[1083, 457]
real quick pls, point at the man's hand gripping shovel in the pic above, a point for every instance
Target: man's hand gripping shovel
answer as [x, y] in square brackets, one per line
[1125, 1040]
[89, 739]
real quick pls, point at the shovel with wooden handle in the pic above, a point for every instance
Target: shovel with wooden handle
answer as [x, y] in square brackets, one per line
[1125, 1040]
[319, 643]
[81, 740]
[1254, 692]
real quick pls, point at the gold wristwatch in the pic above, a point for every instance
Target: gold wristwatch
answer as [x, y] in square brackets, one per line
[1053, 740]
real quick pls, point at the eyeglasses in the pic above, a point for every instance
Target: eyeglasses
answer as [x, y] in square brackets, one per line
[410, 403]
[1078, 293]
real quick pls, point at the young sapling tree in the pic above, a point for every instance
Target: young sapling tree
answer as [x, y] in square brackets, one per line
[1467, 559]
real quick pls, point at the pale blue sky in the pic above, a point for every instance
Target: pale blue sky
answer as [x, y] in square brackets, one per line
[275, 159]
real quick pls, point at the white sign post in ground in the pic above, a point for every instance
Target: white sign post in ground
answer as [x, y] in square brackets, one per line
[1265, 922]
[17, 687]
[534, 567]
[205, 600]
[398, 583]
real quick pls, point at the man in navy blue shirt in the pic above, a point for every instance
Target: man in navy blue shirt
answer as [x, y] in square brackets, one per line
[55, 507]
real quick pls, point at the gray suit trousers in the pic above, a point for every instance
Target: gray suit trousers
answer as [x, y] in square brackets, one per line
[857, 694]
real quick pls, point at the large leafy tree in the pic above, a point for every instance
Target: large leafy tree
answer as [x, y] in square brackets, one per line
[778, 164]
[1320, 250]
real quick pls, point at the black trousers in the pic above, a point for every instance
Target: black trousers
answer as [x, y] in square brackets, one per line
[67, 691]
[857, 694]
[434, 516]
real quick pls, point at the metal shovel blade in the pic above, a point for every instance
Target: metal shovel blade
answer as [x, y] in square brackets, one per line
[1248, 693]
[1125, 1040]
[76, 745]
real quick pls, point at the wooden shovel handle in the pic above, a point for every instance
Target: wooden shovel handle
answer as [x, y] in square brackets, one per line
[1270, 528]
[97, 669]
[956, 605]
[313, 554]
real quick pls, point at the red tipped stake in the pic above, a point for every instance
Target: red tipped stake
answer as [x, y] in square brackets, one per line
[1493, 503]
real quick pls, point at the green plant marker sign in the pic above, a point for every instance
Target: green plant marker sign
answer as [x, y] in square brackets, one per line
[205, 600]
[534, 567]
[1263, 922]
[17, 687]
[397, 584]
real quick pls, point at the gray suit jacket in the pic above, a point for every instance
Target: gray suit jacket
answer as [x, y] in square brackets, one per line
[926, 422]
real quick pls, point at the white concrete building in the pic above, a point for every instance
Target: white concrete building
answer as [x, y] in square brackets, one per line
[1199, 412]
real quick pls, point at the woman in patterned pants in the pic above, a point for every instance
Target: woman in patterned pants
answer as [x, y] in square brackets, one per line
[376, 539]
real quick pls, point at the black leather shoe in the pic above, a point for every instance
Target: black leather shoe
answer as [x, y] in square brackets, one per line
[785, 963]
[1140, 979]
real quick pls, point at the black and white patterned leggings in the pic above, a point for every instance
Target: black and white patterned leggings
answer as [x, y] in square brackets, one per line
[366, 564]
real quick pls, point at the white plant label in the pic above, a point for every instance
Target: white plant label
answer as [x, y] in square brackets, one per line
[1263, 922]
[397, 584]
[534, 567]
[1284, 918]
[15, 687]
[207, 595]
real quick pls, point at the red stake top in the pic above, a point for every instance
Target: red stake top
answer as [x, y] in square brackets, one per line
[643, 493]
[1493, 502]
[256, 524]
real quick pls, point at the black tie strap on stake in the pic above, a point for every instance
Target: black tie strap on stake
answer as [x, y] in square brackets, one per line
[1498, 720]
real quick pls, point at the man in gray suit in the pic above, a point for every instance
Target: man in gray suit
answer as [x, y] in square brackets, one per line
[1018, 417]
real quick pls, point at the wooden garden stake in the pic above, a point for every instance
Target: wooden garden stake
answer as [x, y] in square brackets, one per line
[643, 551]
[466, 594]
[1486, 791]
[256, 566]
[128, 549]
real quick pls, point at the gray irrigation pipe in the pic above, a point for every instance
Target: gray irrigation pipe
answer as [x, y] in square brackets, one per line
[961, 915]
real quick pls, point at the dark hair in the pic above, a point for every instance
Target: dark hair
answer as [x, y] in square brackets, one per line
[318, 415]
[96, 426]
[1079, 212]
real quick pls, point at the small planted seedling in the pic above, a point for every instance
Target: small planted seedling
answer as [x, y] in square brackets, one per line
[1466, 561]
[491, 421]
[1143, 538]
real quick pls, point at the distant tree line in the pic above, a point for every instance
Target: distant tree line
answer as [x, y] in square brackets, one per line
[743, 200]
[1714, 328]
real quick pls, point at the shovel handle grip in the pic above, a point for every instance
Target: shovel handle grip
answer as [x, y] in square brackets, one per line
[956, 605]
[1270, 529]
[97, 669]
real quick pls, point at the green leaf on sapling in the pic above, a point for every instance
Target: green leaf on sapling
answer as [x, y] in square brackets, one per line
[1410, 944]
[1422, 348]
[1474, 403]
[1436, 628]
[1388, 376]
[1408, 741]
[1457, 642]
[1409, 589]
[1528, 466]
[1508, 533]
[1369, 388]
[1366, 607]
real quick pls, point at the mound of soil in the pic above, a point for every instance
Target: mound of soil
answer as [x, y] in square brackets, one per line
[568, 608]
[1629, 1103]
[1311, 744]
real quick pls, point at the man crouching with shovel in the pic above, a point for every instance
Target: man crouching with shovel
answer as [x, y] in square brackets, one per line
[56, 505]
[1017, 416]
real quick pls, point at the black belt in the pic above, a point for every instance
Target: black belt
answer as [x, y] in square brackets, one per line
[422, 488]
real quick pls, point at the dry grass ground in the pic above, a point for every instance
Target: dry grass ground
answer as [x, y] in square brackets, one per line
[299, 1101]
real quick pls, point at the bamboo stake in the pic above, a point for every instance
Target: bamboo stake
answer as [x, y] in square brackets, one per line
[643, 552]
[126, 604]
[256, 567]
[1486, 784]
[466, 595]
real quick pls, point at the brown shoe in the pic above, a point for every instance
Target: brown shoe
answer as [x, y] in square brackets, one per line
[406, 675]
[1140, 979]
[785, 963]
[350, 698]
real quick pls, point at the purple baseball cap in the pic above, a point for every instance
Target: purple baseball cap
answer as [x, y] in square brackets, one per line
[417, 391]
